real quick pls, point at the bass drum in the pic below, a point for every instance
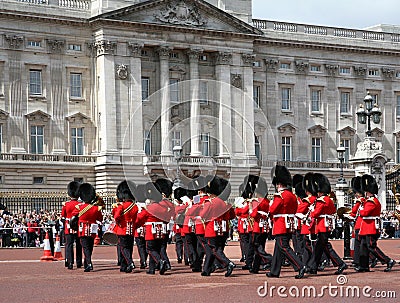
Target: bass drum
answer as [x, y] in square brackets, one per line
[109, 236]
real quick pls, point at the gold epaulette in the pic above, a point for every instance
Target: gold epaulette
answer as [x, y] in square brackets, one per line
[114, 205]
[100, 207]
[321, 199]
[371, 199]
[77, 206]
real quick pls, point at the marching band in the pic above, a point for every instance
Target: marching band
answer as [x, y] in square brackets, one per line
[302, 211]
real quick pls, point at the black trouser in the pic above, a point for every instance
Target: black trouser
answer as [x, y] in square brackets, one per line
[87, 245]
[153, 248]
[69, 250]
[298, 242]
[201, 251]
[141, 247]
[215, 251]
[245, 239]
[357, 245]
[369, 246]
[282, 249]
[164, 244]
[31, 239]
[307, 248]
[179, 246]
[126, 244]
[323, 245]
[191, 241]
[260, 255]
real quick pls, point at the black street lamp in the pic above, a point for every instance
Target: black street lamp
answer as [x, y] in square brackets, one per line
[364, 113]
[341, 150]
[177, 151]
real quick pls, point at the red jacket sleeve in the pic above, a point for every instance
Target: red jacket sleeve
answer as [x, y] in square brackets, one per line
[369, 207]
[276, 205]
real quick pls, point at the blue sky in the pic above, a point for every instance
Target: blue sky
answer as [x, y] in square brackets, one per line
[356, 14]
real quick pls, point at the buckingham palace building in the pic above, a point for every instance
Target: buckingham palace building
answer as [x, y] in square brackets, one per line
[99, 91]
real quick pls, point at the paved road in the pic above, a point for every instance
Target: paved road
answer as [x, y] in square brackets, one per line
[24, 279]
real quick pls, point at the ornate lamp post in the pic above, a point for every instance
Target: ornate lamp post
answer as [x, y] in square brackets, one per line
[341, 150]
[177, 151]
[365, 113]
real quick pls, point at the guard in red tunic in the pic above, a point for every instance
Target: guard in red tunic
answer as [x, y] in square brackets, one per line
[140, 195]
[89, 213]
[323, 216]
[297, 238]
[125, 218]
[216, 214]
[282, 210]
[180, 210]
[70, 234]
[370, 226]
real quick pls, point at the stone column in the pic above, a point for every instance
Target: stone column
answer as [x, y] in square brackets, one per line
[223, 75]
[195, 125]
[135, 101]
[248, 106]
[106, 96]
[165, 115]
[55, 76]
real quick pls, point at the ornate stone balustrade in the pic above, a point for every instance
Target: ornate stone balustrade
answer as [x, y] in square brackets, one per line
[47, 158]
[75, 4]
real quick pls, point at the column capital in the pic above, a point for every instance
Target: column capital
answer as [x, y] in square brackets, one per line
[104, 47]
[135, 49]
[55, 46]
[224, 58]
[14, 41]
[194, 54]
[248, 59]
[164, 51]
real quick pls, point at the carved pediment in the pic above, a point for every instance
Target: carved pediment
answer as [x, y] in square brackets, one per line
[78, 118]
[287, 129]
[347, 131]
[38, 116]
[397, 134]
[184, 13]
[317, 130]
[377, 133]
[3, 115]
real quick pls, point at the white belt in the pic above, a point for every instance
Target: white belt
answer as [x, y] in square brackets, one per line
[284, 215]
[326, 216]
[371, 218]
[151, 223]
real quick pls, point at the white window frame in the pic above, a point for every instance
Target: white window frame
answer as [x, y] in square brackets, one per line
[145, 88]
[174, 90]
[373, 72]
[344, 70]
[76, 87]
[286, 100]
[147, 142]
[205, 144]
[35, 82]
[315, 68]
[345, 101]
[1, 138]
[316, 149]
[346, 143]
[77, 141]
[36, 139]
[75, 47]
[285, 65]
[34, 43]
[203, 92]
[398, 106]
[257, 147]
[398, 152]
[176, 139]
[256, 95]
[316, 95]
[286, 148]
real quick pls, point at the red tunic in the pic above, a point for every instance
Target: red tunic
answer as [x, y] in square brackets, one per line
[303, 208]
[215, 217]
[370, 217]
[323, 213]
[179, 211]
[199, 224]
[189, 223]
[261, 222]
[125, 221]
[66, 213]
[355, 210]
[243, 219]
[282, 209]
[91, 216]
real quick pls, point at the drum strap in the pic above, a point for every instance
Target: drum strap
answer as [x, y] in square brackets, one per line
[128, 209]
[85, 210]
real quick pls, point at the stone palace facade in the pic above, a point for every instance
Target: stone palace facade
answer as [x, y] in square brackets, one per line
[102, 90]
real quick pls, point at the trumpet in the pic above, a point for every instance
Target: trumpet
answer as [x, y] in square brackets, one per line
[98, 201]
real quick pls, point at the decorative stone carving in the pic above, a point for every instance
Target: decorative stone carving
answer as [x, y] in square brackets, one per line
[369, 145]
[248, 59]
[347, 132]
[104, 47]
[55, 46]
[377, 167]
[3, 115]
[301, 66]
[388, 73]
[135, 49]
[38, 116]
[331, 69]
[287, 129]
[272, 64]
[236, 80]
[180, 13]
[224, 58]
[317, 130]
[164, 51]
[78, 118]
[194, 54]
[360, 71]
[122, 71]
[14, 41]
[177, 68]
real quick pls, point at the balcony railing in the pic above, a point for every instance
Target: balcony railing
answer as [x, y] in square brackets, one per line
[75, 4]
[47, 158]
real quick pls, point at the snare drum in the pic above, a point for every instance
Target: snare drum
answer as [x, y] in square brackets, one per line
[109, 236]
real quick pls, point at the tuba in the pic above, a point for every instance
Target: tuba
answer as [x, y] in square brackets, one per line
[395, 189]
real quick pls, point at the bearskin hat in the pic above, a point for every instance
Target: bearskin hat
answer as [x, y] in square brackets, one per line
[140, 193]
[261, 187]
[299, 190]
[368, 184]
[322, 184]
[356, 185]
[199, 182]
[308, 184]
[125, 190]
[153, 192]
[219, 187]
[87, 192]
[73, 189]
[245, 190]
[165, 186]
[280, 174]
[297, 178]
[180, 192]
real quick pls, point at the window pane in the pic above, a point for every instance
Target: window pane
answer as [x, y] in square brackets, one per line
[256, 95]
[345, 102]
[286, 98]
[37, 139]
[203, 93]
[205, 144]
[77, 141]
[286, 149]
[257, 149]
[316, 149]
[145, 89]
[315, 100]
[147, 142]
[76, 85]
[35, 82]
[398, 106]
[174, 90]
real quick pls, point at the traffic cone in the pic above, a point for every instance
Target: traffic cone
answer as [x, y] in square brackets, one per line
[97, 240]
[47, 257]
[57, 249]
[352, 243]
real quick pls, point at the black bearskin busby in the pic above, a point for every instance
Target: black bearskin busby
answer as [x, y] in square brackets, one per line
[245, 190]
[299, 190]
[308, 184]
[322, 184]
[297, 178]
[165, 186]
[179, 192]
[87, 192]
[261, 188]
[73, 189]
[356, 185]
[140, 193]
[125, 190]
[219, 187]
[281, 175]
[368, 184]
[153, 192]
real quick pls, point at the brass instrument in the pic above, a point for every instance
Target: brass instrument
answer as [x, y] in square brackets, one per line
[395, 188]
[343, 210]
[98, 201]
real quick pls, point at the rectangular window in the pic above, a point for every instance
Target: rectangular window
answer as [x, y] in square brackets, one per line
[77, 141]
[398, 106]
[315, 68]
[145, 89]
[346, 145]
[284, 65]
[397, 74]
[75, 47]
[1, 138]
[286, 96]
[147, 142]
[203, 58]
[174, 55]
[76, 85]
[257, 147]
[286, 148]
[257, 64]
[316, 149]
[176, 139]
[79, 179]
[38, 180]
[344, 102]
[205, 144]
[375, 98]
[203, 92]
[174, 90]
[315, 100]
[37, 139]
[34, 43]
[373, 72]
[35, 82]
[344, 70]
[398, 152]
[256, 95]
